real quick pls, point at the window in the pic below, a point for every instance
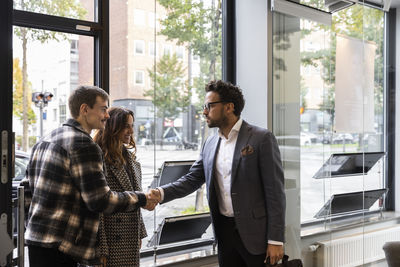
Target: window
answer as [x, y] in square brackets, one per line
[152, 20]
[63, 113]
[180, 51]
[144, 85]
[139, 77]
[51, 66]
[324, 82]
[167, 49]
[139, 47]
[139, 17]
[74, 68]
[74, 46]
[152, 49]
[83, 10]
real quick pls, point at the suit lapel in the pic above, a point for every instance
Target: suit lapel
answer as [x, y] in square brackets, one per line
[212, 157]
[242, 140]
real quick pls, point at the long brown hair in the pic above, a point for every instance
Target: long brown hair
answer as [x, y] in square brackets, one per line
[108, 139]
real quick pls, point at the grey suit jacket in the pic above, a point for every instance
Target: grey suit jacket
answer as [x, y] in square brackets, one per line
[257, 186]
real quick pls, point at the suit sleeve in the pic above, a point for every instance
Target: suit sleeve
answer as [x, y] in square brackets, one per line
[186, 184]
[273, 182]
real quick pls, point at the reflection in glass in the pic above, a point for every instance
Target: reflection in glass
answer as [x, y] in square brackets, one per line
[153, 73]
[328, 95]
[47, 63]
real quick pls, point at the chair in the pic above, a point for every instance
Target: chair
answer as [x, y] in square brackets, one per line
[392, 253]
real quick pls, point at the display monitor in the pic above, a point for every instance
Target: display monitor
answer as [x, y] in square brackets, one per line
[171, 171]
[340, 204]
[345, 164]
[181, 228]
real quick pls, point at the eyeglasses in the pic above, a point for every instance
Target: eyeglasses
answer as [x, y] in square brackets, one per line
[207, 106]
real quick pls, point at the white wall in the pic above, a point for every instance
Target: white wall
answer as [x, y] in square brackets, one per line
[251, 64]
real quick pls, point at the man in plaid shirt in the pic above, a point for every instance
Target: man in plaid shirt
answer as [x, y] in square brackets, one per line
[68, 187]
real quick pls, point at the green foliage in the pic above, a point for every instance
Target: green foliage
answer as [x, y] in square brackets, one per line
[61, 8]
[192, 210]
[17, 94]
[198, 26]
[171, 94]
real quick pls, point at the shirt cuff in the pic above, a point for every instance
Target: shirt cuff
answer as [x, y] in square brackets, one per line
[161, 193]
[277, 243]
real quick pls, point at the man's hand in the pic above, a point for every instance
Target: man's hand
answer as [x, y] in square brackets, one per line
[275, 253]
[150, 203]
[153, 198]
[155, 195]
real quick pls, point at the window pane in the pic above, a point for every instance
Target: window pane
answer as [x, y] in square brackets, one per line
[164, 88]
[56, 67]
[334, 77]
[76, 9]
[139, 47]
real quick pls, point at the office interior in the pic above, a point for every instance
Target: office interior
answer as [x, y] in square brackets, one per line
[321, 75]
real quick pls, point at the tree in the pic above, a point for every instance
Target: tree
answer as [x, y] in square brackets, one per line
[64, 8]
[171, 94]
[17, 94]
[198, 26]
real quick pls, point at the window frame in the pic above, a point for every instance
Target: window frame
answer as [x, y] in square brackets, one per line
[135, 45]
[143, 78]
[388, 90]
[98, 29]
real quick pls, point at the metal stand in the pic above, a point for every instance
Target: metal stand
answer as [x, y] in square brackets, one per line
[155, 231]
[21, 227]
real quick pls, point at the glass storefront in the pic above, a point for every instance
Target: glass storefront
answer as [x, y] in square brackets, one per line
[328, 117]
[327, 99]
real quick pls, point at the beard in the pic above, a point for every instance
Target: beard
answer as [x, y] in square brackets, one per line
[217, 122]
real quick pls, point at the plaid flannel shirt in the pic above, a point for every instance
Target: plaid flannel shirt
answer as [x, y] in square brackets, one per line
[68, 191]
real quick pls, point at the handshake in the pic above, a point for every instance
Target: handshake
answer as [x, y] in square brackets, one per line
[153, 197]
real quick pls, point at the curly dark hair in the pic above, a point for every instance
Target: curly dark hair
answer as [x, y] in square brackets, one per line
[227, 93]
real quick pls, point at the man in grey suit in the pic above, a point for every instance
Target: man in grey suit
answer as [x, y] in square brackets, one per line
[242, 169]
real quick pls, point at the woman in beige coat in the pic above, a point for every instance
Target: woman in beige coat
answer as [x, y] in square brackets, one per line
[120, 234]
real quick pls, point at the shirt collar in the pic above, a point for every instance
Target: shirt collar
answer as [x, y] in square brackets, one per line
[74, 123]
[235, 129]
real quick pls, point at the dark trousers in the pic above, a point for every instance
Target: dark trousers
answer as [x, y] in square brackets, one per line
[49, 257]
[231, 251]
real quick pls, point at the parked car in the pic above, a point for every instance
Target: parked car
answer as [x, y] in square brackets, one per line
[186, 145]
[21, 162]
[308, 138]
[289, 146]
[346, 137]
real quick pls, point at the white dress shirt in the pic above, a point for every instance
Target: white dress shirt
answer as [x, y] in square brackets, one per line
[223, 169]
